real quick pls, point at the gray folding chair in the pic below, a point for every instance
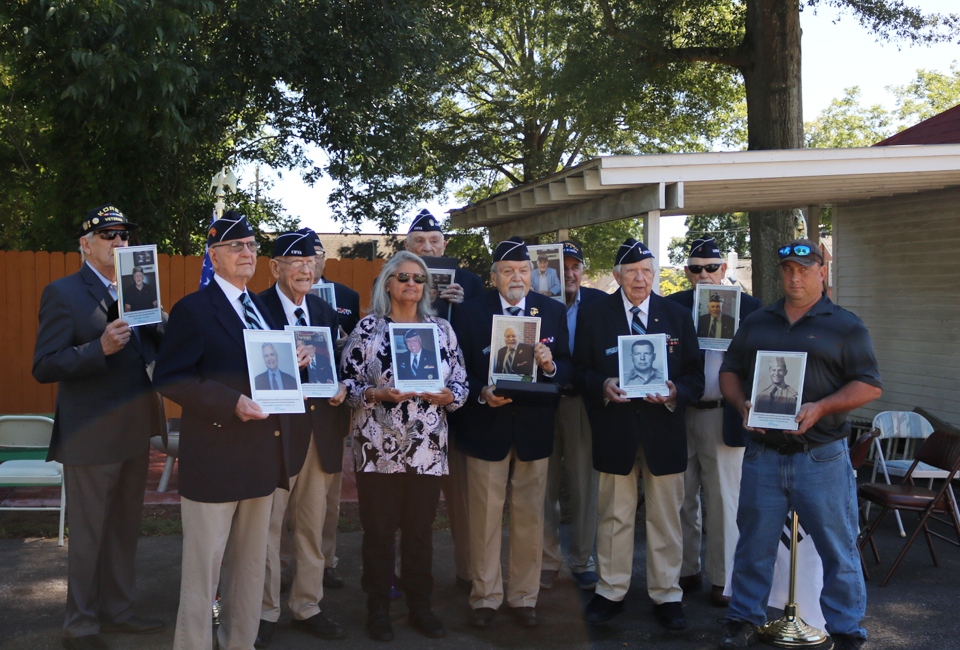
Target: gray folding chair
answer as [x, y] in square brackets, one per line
[24, 440]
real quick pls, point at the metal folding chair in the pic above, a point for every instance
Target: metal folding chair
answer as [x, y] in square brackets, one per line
[24, 440]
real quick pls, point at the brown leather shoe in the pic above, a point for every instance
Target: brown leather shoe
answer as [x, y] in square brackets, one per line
[717, 599]
[691, 583]
[526, 616]
[482, 616]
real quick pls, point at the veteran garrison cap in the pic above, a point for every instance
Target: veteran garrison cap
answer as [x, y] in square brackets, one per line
[103, 217]
[572, 249]
[315, 239]
[632, 251]
[705, 248]
[294, 244]
[425, 222]
[715, 297]
[232, 225]
[511, 250]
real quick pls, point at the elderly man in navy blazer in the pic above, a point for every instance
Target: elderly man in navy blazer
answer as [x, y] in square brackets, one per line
[106, 414]
[231, 453]
[317, 443]
[507, 442]
[632, 435]
[715, 442]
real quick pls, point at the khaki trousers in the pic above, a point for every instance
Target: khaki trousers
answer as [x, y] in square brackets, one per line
[716, 467]
[487, 487]
[455, 495]
[307, 501]
[663, 496]
[329, 544]
[573, 449]
[234, 533]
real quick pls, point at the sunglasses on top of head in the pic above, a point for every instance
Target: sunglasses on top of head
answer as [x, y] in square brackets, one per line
[697, 268]
[110, 235]
[419, 278]
[801, 250]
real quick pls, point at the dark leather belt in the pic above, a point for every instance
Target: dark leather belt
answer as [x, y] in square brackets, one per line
[706, 406]
[568, 391]
[791, 448]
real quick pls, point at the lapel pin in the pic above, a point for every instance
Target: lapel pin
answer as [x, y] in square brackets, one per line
[534, 311]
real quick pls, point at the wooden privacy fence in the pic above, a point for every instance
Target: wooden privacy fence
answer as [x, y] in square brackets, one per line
[24, 274]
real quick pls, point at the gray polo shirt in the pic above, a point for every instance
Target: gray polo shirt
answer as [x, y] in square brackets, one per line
[839, 350]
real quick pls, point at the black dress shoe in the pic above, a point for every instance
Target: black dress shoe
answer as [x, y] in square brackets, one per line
[482, 616]
[133, 625]
[85, 642]
[738, 634]
[332, 579]
[428, 624]
[600, 609]
[717, 599]
[319, 626]
[378, 625]
[264, 634]
[691, 583]
[670, 616]
[526, 616]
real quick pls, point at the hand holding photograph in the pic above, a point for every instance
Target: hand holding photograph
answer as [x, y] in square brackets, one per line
[319, 378]
[777, 388]
[273, 369]
[643, 365]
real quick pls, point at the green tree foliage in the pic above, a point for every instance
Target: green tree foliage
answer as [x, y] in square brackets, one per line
[929, 93]
[673, 281]
[732, 232]
[846, 123]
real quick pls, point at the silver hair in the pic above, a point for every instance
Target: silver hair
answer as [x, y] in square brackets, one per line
[380, 302]
[89, 237]
[493, 267]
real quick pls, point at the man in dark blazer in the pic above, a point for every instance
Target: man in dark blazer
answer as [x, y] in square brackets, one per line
[506, 441]
[348, 300]
[319, 370]
[715, 441]
[416, 362]
[514, 357]
[707, 324]
[105, 415]
[633, 435]
[572, 449]
[425, 238]
[138, 295]
[317, 450]
[273, 378]
[232, 455]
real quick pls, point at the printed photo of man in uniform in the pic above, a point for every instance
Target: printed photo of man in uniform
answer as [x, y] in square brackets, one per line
[778, 397]
[416, 362]
[514, 358]
[716, 324]
[644, 355]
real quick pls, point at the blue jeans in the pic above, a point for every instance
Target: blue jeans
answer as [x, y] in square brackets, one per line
[820, 486]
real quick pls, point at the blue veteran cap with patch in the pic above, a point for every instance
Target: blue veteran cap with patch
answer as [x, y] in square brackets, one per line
[511, 250]
[294, 244]
[572, 249]
[232, 225]
[705, 248]
[632, 251]
[315, 239]
[103, 217]
[425, 222]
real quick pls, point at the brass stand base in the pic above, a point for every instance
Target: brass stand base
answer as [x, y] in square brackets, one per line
[791, 632]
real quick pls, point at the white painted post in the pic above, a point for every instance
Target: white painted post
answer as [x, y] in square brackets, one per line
[651, 236]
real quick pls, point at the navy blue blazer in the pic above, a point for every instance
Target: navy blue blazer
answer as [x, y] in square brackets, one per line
[487, 433]
[619, 429]
[587, 297]
[348, 306]
[202, 366]
[733, 432]
[328, 424]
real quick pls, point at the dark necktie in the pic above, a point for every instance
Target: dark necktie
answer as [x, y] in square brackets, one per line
[273, 381]
[514, 311]
[301, 321]
[637, 324]
[249, 315]
[715, 328]
[508, 365]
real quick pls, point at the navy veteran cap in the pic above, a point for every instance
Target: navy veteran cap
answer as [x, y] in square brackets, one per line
[801, 251]
[572, 249]
[715, 297]
[314, 238]
[138, 269]
[103, 217]
[632, 251]
[229, 227]
[705, 248]
[425, 222]
[511, 250]
[294, 244]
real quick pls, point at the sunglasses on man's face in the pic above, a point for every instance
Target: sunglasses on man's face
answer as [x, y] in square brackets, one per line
[697, 268]
[110, 235]
[419, 278]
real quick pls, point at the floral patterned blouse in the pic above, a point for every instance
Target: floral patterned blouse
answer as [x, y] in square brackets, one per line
[411, 436]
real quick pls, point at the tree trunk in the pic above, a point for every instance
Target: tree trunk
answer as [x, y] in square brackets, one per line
[774, 121]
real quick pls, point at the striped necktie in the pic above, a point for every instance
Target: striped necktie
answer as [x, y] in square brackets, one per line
[301, 321]
[514, 311]
[637, 324]
[253, 323]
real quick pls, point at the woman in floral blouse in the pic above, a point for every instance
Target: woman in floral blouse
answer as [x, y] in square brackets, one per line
[399, 445]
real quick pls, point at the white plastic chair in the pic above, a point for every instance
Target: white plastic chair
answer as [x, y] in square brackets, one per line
[913, 427]
[24, 440]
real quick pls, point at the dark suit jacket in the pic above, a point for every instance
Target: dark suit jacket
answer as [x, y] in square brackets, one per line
[262, 381]
[472, 287]
[726, 326]
[202, 366]
[488, 433]
[321, 373]
[427, 366]
[328, 424]
[106, 409]
[523, 361]
[733, 432]
[587, 297]
[619, 429]
[348, 306]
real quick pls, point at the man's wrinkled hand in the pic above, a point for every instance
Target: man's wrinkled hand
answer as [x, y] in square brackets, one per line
[115, 337]
[492, 399]
[248, 410]
[613, 392]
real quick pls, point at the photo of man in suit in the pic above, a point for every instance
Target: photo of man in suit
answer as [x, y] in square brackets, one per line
[319, 370]
[643, 354]
[715, 324]
[273, 378]
[514, 358]
[138, 295]
[545, 280]
[778, 397]
[416, 362]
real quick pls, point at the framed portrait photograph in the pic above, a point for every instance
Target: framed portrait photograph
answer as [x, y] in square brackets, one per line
[546, 278]
[511, 348]
[273, 370]
[138, 299]
[643, 364]
[717, 309]
[415, 354]
[319, 378]
[777, 389]
[440, 280]
[325, 291]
